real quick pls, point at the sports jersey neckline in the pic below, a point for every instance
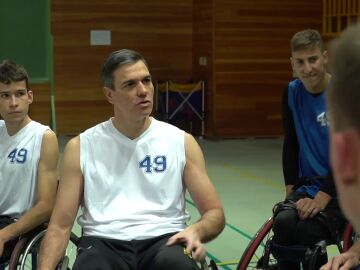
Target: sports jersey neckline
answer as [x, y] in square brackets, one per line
[118, 132]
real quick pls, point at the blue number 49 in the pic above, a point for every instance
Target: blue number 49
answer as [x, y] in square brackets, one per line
[18, 156]
[158, 164]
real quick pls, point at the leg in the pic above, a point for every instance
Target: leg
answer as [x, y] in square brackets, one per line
[174, 258]
[158, 256]
[8, 249]
[284, 229]
[99, 254]
[10, 245]
[319, 228]
[312, 231]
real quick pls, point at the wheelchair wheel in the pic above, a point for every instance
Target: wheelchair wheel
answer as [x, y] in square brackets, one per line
[26, 252]
[256, 254]
[349, 237]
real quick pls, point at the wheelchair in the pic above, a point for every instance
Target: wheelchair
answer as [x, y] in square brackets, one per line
[26, 251]
[259, 254]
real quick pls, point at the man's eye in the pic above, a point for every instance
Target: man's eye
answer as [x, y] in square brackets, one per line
[4, 95]
[129, 84]
[20, 93]
[147, 80]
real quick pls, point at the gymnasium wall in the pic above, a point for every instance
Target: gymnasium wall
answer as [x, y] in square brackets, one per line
[248, 64]
[160, 30]
[245, 43]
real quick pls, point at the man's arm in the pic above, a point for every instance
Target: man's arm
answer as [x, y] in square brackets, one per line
[346, 260]
[45, 192]
[203, 193]
[290, 153]
[66, 206]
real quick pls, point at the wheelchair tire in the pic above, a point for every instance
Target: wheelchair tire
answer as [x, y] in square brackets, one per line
[255, 249]
[349, 237]
[26, 251]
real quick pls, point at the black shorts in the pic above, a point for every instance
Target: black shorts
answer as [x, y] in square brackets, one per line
[150, 254]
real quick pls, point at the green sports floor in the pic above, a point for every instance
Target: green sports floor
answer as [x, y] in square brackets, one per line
[248, 176]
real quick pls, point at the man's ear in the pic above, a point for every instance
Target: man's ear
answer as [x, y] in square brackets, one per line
[30, 96]
[326, 56]
[108, 94]
[292, 67]
[345, 154]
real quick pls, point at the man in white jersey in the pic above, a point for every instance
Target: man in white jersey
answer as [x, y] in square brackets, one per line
[130, 175]
[29, 154]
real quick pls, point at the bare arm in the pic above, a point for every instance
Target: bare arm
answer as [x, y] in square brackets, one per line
[208, 203]
[67, 203]
[45, 191]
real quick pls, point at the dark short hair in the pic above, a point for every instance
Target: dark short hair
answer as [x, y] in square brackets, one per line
[306, 39]
[11, 72]
[116, 60]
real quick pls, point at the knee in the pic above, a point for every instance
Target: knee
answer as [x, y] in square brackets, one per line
[173, 257]
[91, 260]
[284, 227]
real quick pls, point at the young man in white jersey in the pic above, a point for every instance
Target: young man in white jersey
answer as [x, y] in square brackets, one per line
[344, 100]
[130, 174]
[29, 155]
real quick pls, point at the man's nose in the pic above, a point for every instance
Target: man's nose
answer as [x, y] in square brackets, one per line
[142, 89]
[13, 100]
[307, 67]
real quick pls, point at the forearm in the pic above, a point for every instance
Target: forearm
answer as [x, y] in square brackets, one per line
[290, 149]
[289, 190]
[34, 217]
[210, 225]
[322, 199]
[53, 247]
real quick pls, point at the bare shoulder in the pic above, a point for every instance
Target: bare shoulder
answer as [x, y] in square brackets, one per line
[190, 142]
[50, 137]
[192, 148]
[71, 157]
[49, 148]
[73, 144]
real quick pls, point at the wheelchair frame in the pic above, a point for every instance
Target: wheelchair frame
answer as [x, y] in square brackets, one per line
[28, 246]
[264, 233]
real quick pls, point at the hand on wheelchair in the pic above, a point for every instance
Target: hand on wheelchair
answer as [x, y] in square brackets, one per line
[306, 207]
[190, 238]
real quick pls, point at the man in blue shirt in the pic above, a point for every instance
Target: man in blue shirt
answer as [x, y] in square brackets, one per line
[306, 167]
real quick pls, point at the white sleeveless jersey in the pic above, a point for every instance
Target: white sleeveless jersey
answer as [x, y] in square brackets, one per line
[19, 158]
[133, 189]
